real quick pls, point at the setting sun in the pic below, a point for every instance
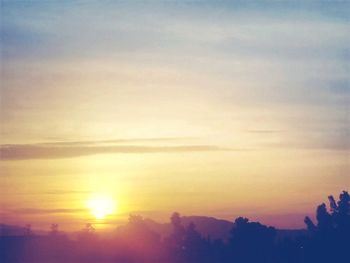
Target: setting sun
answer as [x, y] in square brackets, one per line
[101, 206]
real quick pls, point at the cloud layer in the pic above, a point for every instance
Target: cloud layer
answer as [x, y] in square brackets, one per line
[75, 149]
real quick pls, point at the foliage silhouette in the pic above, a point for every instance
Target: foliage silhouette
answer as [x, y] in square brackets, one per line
[252, 241]
[331, 235]
[326, 240]
[54, 229]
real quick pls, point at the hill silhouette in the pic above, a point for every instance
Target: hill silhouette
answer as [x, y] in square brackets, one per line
[206, 226]
[213, 227]
[11, 230]
[189, 239]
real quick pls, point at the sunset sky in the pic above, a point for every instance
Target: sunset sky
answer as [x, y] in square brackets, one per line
[238, 108]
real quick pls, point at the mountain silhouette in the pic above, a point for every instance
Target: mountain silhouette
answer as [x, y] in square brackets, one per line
[11, 230]
[189, 239]
[207, 226]
[213, 228]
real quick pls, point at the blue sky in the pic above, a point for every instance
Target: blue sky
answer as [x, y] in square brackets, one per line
[291, 53]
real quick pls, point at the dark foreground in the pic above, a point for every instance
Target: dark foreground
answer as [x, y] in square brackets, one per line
[327, 240]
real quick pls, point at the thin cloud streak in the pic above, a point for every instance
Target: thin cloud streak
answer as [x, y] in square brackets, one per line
[53, 151]
[264, 131]
[63, 192]
[116, 141]
[327, 146]
[47, 211]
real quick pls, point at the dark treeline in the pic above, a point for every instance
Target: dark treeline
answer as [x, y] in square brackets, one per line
[327, 240]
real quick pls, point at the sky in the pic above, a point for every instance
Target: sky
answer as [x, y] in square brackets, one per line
[215, 108]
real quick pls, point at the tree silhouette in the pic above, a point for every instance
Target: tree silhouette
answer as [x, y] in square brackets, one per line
[28, 230]
[337, 219]
[138, 240]
[327, 240]
[192, 236]
[54, 229]
[139, 233]
[194, 246]
[89, 228]
[178, 235]
[175, 242]
[341, 212]
[331, 235]
[87, 234]
[252, 241]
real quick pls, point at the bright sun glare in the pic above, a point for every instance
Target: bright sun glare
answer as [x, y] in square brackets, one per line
[101, 206]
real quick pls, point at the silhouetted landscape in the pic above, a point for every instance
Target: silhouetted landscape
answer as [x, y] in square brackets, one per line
[143, 240]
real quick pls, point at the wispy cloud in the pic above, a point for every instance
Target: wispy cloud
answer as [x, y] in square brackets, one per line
[64, 192]
[118, 141]
[264, 131]
[75, 149]
[47, 211]
[337, 144]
